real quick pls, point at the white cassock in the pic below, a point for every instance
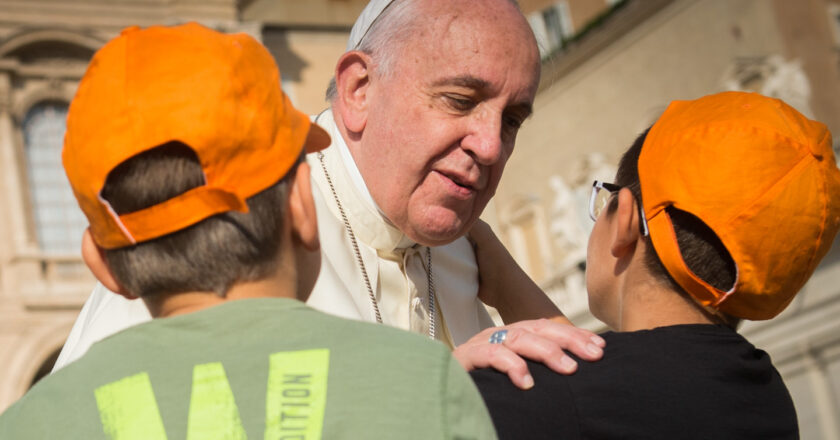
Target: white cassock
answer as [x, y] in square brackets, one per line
[396, 268]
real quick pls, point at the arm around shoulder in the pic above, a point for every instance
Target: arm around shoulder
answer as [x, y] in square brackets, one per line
[504, 285]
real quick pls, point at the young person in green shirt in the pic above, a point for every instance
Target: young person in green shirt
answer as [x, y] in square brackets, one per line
[187, 159]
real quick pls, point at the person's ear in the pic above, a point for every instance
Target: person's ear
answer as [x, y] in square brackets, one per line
[94, 258]
[625, 225]
[301, 205]
[352, 81]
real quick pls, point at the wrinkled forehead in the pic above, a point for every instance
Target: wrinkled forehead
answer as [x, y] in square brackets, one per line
[489, 40]
[489, 21]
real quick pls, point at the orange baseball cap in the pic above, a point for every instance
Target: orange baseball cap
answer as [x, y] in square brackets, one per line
[218, 94]
[762, 176]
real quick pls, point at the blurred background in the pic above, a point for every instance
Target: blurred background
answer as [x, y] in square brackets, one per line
[609, 69]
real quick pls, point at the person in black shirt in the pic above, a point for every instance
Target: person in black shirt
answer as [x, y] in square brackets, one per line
[721, 211]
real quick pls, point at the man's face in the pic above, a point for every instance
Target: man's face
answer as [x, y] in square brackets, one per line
[442, 124]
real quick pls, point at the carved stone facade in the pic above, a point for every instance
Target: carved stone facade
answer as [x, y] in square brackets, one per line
[609, 86]
[41, 287]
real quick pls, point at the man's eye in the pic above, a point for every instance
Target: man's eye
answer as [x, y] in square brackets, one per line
[459, 103]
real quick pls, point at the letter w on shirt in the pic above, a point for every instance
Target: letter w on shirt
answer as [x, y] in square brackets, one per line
[296, 395]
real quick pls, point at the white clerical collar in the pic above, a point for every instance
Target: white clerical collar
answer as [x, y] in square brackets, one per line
[353, 171]
[371, 224]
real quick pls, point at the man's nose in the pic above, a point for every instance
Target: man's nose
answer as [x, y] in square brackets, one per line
[484, 141]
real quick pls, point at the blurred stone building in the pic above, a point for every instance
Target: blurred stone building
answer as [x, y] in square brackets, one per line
[603, 87]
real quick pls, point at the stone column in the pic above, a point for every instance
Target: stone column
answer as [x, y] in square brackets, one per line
[8, 340]
[11, 192]
[826, 402]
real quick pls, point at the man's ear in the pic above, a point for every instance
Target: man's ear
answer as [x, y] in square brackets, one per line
[352, 81]
[301, 206]
[625, 225]
[94, 258]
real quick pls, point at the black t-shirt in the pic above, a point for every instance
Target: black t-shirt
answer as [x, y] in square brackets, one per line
[678, 382]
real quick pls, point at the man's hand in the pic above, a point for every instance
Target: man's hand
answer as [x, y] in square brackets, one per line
[541, 340]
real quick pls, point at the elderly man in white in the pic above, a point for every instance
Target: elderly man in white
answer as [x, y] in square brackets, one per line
[425, 107]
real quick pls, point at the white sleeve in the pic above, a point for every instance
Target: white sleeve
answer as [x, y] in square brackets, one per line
[103, 314]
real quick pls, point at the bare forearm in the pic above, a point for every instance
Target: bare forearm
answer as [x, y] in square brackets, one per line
[520, 298]
[503, 283]
[505, 286]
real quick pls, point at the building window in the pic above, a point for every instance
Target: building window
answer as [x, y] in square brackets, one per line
[58, 221]
[833, 11]
[552, 26]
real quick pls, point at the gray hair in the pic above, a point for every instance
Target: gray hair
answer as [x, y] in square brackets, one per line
[385, 36]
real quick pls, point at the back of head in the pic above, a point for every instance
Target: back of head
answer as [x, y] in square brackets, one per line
[739, 195]
[178, 145]
[209, 256]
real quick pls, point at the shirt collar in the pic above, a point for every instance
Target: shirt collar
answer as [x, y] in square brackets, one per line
[369, 223]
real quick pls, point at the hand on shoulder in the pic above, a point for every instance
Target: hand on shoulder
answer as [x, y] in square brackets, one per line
[542, 340]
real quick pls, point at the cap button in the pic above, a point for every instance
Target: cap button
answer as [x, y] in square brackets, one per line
[816, 151]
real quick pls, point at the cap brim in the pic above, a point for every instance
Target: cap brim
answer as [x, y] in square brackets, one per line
[317, 139]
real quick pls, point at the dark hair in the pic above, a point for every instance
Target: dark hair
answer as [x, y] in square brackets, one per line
[209, 256]
[701, 249]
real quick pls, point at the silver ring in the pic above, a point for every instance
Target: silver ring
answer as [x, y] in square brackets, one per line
[498, 336]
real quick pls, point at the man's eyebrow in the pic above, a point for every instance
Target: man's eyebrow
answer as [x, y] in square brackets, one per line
[463, 81]
[526, 109]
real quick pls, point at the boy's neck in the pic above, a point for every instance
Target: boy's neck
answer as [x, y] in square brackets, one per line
[277, 286]
[646, 303]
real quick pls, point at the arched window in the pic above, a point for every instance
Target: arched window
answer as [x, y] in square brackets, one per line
[59, 222]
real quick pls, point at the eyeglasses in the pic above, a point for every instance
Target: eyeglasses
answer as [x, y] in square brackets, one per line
[602, 192]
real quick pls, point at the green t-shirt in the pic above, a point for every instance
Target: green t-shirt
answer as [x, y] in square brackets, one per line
[257, 368]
